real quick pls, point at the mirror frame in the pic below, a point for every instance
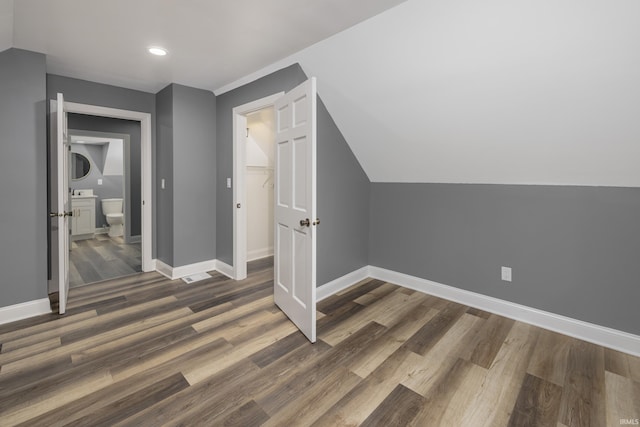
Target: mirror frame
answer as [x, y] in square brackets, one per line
[73, 178]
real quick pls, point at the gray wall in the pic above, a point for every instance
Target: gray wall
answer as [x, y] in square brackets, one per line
[164, 170]
[186, 161]
[343, 204]
[91, 93]
[23, 177]
[574, 250]
[194, 175]
[343, 188]
[133, 178]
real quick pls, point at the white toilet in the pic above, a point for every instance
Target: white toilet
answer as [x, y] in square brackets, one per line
[112, 209]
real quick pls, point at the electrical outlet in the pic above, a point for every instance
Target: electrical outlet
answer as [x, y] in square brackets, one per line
[228, 182]
[506, 274]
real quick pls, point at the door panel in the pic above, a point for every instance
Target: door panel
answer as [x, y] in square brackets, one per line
[63, 205]
[295, 207]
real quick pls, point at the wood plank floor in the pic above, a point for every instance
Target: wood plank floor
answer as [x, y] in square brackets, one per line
[144, 350]
[102, 258]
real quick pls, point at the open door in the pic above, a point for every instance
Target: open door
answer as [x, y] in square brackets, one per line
[61, 203]
[295, 207]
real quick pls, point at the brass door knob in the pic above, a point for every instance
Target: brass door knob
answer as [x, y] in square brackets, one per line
[304, 222]
[317, 221]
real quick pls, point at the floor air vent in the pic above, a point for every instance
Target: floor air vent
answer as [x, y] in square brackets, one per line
[196, 277]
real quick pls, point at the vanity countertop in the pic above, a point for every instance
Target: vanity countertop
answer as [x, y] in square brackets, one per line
[88, 196]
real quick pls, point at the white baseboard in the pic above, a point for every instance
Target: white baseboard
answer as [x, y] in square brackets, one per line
[601, 335]
[335, 286]
[185, 270]
[259, 253]
[24, 310]
[224, 268]
[164, 269]
[174, 273]
[152, 266]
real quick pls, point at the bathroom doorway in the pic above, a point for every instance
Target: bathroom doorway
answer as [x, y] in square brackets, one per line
[105, 238]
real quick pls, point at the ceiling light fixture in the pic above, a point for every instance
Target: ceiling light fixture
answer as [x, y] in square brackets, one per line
[158, 51]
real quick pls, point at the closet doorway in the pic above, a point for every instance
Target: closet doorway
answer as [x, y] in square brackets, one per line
[254, 155]
[260, 149]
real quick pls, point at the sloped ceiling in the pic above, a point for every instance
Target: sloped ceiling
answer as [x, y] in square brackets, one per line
[210, 43]
[527, 92]
[6, 24]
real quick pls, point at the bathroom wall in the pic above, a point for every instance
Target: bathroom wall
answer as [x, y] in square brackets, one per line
[112, 185]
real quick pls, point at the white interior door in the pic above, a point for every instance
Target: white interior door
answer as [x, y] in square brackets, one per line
[63, 205]
[295, 207]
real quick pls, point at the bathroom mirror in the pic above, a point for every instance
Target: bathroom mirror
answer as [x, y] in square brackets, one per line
[80, 166]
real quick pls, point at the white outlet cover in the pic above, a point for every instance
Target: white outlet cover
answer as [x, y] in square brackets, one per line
[506, 274]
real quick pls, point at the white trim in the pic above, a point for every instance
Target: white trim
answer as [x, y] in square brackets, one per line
[185, 270]
[24, 310]
[174, 273]
[224, 268]
[164, 269]
[238, 182]
[586, 331]
[146, 178]
[259, 253]
[341, 283]
[272, 68]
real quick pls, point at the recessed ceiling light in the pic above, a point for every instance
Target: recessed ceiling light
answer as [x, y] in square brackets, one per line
[159, 51]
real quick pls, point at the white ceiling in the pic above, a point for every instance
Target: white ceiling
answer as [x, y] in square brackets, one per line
[526, 92]
[210, 43]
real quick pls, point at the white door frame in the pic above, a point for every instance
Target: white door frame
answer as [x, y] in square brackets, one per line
[239, 186]
[146, 179]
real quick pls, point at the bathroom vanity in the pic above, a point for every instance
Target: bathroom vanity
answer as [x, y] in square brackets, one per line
[83, 221]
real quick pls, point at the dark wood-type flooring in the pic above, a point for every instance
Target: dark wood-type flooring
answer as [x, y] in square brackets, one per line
[102, 258]
[144, 350]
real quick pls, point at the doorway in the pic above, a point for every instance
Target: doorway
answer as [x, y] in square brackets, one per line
[60, 192]
[294, 199]
[255, 172]
[105, 200]
[260, 150]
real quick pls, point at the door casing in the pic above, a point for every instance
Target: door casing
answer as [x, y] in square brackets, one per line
[238, 184]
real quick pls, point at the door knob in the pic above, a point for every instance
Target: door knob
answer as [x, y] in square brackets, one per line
[304, 222]
[63, 214]
[317, 221]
